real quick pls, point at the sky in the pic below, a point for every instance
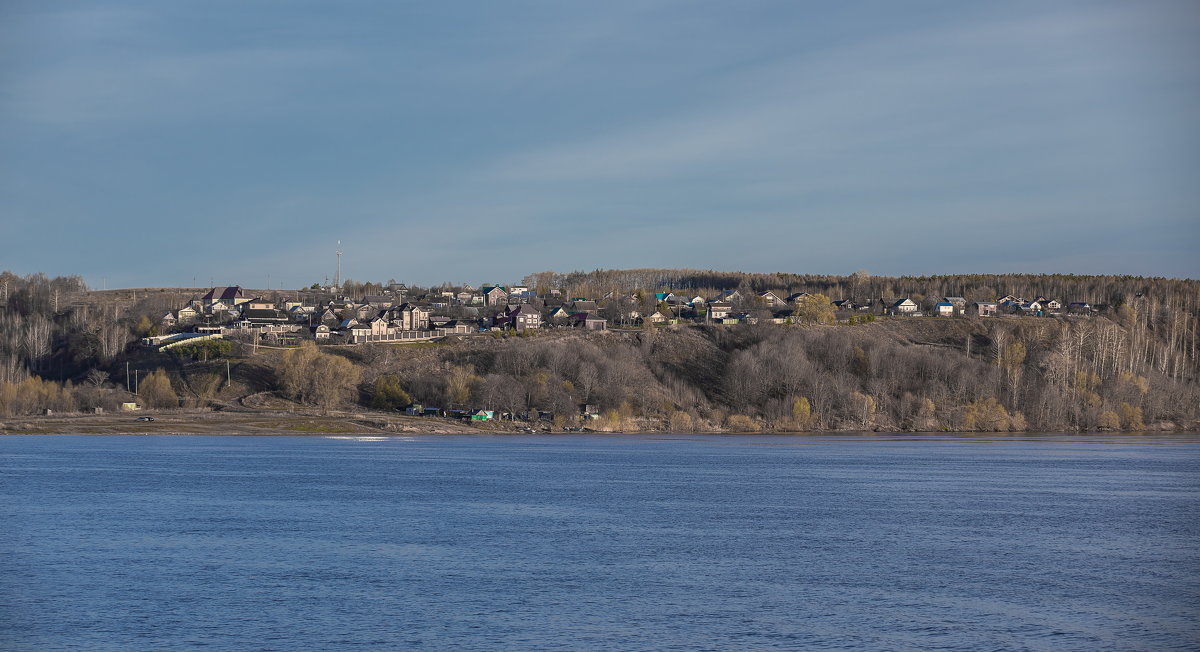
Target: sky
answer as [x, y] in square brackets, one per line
[237, 142]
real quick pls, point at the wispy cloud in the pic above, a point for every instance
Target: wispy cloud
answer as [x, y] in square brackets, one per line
[176, 87]
[605, 135]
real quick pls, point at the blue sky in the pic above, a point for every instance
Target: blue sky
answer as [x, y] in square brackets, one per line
[146, 143]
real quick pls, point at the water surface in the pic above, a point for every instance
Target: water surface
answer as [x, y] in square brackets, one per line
[600, 542]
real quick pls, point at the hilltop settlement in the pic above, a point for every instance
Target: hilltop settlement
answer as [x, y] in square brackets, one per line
[610, 350]
[397, 314]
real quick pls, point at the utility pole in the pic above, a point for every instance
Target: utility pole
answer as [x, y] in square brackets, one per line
[228, 378]
[126, 376]
[135, 382]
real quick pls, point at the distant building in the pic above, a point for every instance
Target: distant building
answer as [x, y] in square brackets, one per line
[771, 299]
[897, 306]
[719, 310]
[987, 308]
[494, 295]
[227, 295]
[588, 321]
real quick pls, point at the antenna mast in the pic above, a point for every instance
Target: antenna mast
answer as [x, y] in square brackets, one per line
[337, 278]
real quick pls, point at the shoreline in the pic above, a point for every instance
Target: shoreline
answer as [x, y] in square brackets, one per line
[283, 423]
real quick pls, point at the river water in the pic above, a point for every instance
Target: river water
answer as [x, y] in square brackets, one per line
[600, 542]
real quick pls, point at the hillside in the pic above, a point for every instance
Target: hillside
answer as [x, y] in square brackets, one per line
[890, 375]
[1131, 366]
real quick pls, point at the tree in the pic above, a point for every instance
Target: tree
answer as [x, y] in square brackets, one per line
[1109, 421]
[144, 326]
[741, 423]
[156, 390]
[334, 380]
[314, 378]
[389, 395]
[680, 422]
[97, 377]
[815, 309]
[1131, 417]
[987, 415]
[801, 413]
[458, 388]
[862, 409]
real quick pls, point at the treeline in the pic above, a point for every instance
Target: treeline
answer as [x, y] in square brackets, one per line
[34, 395]
[1103, 290]
[55, 328]
[960, 375]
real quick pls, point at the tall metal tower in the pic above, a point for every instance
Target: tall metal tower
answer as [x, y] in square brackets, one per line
[337, 278]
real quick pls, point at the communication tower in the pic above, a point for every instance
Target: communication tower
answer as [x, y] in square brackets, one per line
[337, 278]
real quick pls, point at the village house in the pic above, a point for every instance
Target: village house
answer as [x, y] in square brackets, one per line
[228, 296]
[944, 309]
[587, 321]
[959, 303]
[582, 305]
[770, 299]
[719, 310]
[263, 316]
[329, 316]
[187, 315]
[455, 327]
[897, 306]
[494, 295]
[629, 316]
[358, 332]
[727, 296]
[987, 308]
[521, 317]
[300, 314]
[379, 301]
[365, 311]
[409, 317]
[1028, 308]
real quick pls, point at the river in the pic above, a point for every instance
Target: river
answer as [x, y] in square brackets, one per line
[590, 542]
